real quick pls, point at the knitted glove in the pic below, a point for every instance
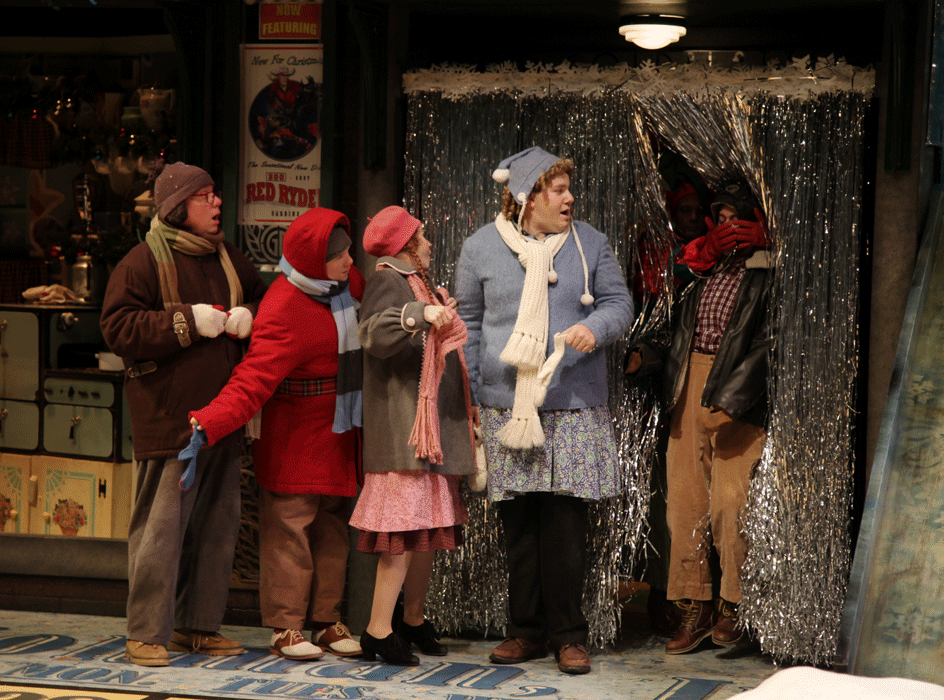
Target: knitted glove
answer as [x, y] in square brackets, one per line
[189, 455]
[752, 233]
[704, 252]
[719, 240]
[210, 322]
[239, 322]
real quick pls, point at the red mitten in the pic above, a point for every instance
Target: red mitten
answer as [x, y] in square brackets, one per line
[702, 253]
[752, 233]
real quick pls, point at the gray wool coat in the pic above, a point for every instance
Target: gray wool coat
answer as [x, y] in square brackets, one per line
[391, 332]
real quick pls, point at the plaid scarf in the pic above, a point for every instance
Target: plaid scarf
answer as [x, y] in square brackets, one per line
[348, 405]
[162, 238]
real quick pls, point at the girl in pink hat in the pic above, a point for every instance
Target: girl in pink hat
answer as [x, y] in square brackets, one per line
[418, 432]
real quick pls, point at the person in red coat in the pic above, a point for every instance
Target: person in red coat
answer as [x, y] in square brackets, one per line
[303, 369]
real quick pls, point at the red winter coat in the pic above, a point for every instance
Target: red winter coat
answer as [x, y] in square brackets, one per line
[293, 336]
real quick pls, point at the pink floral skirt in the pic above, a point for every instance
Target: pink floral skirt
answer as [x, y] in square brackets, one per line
[401, 511]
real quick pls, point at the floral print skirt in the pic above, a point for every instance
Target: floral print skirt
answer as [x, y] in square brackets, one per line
[578, 457]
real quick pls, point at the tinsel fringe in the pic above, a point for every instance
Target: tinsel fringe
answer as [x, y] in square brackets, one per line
[796, 134]
[801, 79]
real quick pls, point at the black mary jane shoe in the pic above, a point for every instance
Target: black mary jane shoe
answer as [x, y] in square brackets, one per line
[394, 650]
[424, 637]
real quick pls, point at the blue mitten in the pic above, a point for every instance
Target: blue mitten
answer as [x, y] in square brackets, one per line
[189, 454]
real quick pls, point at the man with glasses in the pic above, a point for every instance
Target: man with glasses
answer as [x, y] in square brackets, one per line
[174, 311]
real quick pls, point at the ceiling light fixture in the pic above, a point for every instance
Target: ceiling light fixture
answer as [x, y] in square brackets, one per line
[652, 31]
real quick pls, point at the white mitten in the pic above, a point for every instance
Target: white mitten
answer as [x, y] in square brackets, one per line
[210, 321]
[239, 323]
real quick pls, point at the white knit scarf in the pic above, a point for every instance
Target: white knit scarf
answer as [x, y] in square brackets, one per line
[527, 347]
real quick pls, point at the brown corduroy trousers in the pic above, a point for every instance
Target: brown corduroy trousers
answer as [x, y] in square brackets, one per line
[709, 459]
[303, 547]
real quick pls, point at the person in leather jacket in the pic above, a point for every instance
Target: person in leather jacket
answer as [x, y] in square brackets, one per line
[714, 365]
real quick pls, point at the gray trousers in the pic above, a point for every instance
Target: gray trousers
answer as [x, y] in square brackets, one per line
[181, 544]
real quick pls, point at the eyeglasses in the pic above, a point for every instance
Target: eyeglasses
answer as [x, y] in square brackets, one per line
[208, 196]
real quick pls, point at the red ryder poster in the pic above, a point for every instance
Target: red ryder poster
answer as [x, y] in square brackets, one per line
[280, 152]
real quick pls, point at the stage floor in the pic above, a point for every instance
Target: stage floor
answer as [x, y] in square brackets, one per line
[42, 655]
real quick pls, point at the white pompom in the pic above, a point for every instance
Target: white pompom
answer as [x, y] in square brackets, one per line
[501, 175]
[552, 276]
[586, 299]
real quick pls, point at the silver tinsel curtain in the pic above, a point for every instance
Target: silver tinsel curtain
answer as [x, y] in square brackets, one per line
[796, 135]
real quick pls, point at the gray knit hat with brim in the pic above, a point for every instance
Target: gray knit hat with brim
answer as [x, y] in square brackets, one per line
[520, 171]
[176, 183]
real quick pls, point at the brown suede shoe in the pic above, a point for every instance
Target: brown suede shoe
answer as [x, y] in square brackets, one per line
[698, 620]
[516, 650]
[209, 643]
[573, 658]
[726, 632]
[144, 654]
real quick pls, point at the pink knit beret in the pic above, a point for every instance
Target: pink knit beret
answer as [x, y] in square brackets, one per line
[389, 230]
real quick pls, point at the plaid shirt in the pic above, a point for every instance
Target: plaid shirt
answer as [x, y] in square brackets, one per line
[715, 307]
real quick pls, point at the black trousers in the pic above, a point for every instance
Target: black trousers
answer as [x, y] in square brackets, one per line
[546, 546]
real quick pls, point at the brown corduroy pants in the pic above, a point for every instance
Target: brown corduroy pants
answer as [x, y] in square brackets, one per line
[303, 547]
[709, 459]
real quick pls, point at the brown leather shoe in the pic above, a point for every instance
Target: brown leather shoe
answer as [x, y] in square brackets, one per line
[291, 644]
[573, 658]
[337, 639]
[726, 632]
[698, 620]
[516, 650]
[209, 643]
[144, 654]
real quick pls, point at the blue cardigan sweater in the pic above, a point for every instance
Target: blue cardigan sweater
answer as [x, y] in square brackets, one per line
[489, 281]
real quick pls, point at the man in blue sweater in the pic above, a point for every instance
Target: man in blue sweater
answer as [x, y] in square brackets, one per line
[541, 295]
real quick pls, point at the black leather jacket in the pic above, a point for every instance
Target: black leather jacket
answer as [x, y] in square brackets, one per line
[737, 381]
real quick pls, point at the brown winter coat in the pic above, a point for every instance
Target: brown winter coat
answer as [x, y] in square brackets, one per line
[138, 329]
[393, 358]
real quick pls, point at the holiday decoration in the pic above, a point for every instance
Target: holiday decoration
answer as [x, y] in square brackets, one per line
[796, 135]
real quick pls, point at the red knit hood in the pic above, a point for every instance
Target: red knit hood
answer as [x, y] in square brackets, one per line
[305, 244]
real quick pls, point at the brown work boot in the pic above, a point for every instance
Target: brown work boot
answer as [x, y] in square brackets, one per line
[726, 632]
[209, 643]
[515, 650]
[573, 658]
[698, 620]
[144, 654]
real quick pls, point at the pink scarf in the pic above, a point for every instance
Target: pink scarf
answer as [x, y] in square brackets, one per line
[436, 345]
